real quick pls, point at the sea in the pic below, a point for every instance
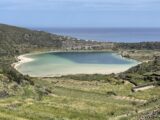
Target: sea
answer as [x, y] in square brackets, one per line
[130, 35]
[66, 63]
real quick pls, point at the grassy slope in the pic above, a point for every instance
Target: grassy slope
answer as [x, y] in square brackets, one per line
[75, 99]
[15, 40]
[80, 97]
[144, 73]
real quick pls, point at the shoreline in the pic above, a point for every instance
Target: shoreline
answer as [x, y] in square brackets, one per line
[21, 60]
[88, 72]
[24, 59]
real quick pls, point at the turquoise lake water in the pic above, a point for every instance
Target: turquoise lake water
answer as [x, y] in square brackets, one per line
[64, 63]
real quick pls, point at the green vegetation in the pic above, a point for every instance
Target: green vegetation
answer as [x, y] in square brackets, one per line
[60, 98]
[139, 46]
[76, 97]
[144, 73]
[15, 41]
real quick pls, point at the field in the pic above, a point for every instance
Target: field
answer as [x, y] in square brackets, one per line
[64, 98]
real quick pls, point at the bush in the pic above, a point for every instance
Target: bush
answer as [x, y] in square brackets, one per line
[110, 93]
[14, 75]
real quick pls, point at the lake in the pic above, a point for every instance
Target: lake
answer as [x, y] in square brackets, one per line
[65, 63]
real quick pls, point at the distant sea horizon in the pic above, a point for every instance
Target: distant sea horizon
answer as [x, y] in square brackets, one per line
[130, 35]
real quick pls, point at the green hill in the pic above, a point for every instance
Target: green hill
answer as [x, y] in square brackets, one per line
[144, 73]
[76, 97]
[15, 40]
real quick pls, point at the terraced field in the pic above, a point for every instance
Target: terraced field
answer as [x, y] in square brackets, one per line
[70, 99]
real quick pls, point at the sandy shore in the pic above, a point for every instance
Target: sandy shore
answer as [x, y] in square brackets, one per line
[73, 68]
[24, 59]
[21, 60]
[105, 72]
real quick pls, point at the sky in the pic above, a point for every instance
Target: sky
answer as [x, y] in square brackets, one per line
[80, 13]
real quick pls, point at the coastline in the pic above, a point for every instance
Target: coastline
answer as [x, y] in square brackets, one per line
[116, 70]
[24, 59]
[21, 60]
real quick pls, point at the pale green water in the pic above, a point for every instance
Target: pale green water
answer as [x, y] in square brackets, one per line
[56, 64]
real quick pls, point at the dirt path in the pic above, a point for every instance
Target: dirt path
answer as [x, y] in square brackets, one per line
[132, 100]
[129, 114]
[129, 99]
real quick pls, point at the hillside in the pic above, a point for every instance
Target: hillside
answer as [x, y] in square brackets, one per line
[139, 46]
[76, 97]
[16, 40]
[144, 73]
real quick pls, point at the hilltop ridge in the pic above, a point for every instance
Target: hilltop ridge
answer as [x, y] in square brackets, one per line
[17, 40]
